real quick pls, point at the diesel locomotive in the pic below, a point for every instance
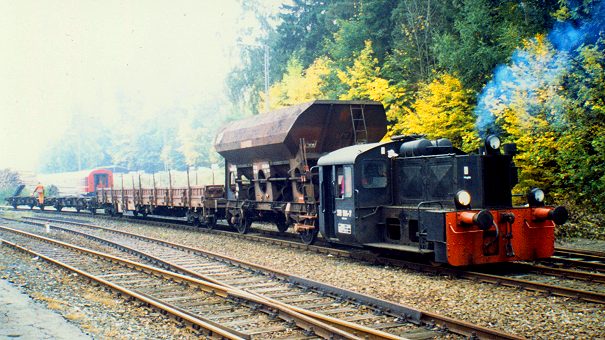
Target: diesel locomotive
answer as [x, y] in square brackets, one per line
[323, 168]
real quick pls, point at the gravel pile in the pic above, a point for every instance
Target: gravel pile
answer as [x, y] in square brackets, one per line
[95, 310]
[520, 312]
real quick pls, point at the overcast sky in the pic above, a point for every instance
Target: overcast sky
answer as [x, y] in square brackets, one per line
[105, 58]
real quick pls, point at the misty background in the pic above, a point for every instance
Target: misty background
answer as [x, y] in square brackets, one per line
[133, 83]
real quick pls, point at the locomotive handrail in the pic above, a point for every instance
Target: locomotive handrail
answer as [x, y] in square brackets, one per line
[464, 232]
[543, 227]
[372, 213]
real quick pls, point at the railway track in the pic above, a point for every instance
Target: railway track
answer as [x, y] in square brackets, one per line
[584, 259]
[223, 312]
[219, 312]
[518, 279]
[329, 304]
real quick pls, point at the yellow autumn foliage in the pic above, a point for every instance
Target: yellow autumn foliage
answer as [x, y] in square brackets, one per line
[298, 85]
[442, 108]
[363, 78]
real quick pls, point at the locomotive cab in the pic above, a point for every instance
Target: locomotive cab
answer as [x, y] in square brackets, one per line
[354, 183]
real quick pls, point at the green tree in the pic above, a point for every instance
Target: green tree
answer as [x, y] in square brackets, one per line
[485, 33]
[417, 23]
[581, 148]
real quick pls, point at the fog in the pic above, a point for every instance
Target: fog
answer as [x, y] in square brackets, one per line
[111, 62]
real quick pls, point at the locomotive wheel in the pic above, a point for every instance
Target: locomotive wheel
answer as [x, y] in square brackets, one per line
[309, 236]
[281, 223]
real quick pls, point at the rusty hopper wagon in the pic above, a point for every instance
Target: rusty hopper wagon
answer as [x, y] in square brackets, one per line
[270, 160]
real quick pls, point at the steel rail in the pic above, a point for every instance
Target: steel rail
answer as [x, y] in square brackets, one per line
[303, 321]
[353, 328]
[565, 273]
[194, 320]
[589, 296]
[404, 312]
[572, 261]
[581, 252]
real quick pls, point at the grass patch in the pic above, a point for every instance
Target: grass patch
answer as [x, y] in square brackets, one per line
[112, 333]
[89, 328]
[75, 316]
[101, 297]
[50, 302]
[55, 305]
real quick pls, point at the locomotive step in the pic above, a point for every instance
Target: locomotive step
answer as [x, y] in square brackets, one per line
[398, 247]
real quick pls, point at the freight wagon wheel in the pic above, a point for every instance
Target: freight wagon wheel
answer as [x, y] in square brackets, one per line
[242, 223]
[210, 222]
[229, 219]
[282, 223]
[309, 236]
[190, 217]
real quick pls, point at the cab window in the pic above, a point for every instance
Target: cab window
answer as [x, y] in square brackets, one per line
[344, 182]
[374, 174]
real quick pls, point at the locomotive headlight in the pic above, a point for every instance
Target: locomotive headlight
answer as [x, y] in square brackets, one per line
[535, 197]
[463, 198]
[492, 142]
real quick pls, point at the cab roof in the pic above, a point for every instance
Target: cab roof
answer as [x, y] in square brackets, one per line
[348, 155]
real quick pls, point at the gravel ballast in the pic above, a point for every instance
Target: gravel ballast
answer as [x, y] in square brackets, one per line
[95, 310]
[515, 311]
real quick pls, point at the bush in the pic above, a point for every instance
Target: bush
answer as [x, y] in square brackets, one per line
[9, 180]
[583, 223]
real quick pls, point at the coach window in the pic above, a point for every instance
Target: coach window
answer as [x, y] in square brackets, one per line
[374, 174]
[344, 182]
